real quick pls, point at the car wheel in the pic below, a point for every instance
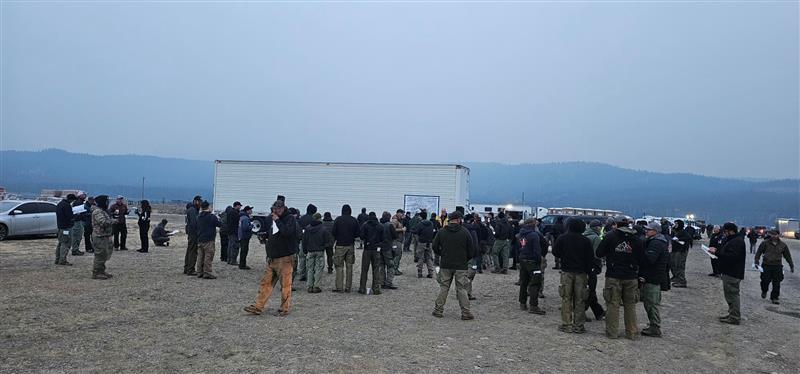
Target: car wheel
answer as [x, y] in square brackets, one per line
[3, 232]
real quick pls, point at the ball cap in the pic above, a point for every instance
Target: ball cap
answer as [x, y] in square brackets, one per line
[653, 226]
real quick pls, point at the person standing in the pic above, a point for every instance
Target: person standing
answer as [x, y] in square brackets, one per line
[281, 248]
[245, 233]
[372, 235]
[774, 251]
[102, 229]
[623, 253]
[232, 220]
[87, 224]
[577, 261]
[345, 231]
[362, 219]
[144, 213]
[411, 236]
[752, 237]
[653, 274]
[469, 223]
[315, 238]
[593, 234]
[533, 247]
[500, 251]
[190, 260]
[207, 224]
[387, 251]
[555, 231]
[716, 240]
[327, 224]
[423, 253]
[223, 234]
[118, 213]
[731, 267]
[680, 250]
[64, 221]
[78, 227]
[397, 244]
[304, 221]
[454, 246]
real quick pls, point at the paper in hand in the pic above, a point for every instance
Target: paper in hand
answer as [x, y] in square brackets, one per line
[705, 249]
[274, 228]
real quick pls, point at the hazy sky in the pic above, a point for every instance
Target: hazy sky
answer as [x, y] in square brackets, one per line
[702, 87]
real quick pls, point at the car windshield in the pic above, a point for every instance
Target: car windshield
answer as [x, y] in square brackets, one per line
[7, 205]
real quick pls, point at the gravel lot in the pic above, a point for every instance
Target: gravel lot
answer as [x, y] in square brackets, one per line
[151, 318]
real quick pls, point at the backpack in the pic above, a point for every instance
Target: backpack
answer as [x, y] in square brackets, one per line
[426, 232]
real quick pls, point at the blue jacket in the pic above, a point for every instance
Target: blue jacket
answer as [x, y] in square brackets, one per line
[245, 227]
[531, 244]
[207, 224]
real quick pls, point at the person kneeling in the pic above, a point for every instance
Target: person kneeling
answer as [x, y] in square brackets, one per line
[160, 235]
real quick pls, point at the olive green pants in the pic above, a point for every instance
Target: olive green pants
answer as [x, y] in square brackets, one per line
[625, 292]
[574, 292]
[730, 287]
[651, 297]
[102, 252]
[446, 277]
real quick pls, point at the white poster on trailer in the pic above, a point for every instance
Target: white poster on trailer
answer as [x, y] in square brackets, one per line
[414, 203]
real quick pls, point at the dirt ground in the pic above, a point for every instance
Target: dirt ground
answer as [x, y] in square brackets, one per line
[151, 318]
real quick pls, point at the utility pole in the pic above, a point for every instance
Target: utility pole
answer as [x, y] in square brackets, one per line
[523, 197]
[142, 188]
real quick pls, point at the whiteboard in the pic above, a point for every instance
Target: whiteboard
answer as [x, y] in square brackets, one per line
[414, 203]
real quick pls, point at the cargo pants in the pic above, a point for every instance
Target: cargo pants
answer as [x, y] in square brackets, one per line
[103, 247]
[446, 277]
[397, 254]
[205, 255]
[370, 258]
[573, 291]
[530, 282]
[344, 257]
[76, 234]
[678, 260]
[315, 263]
[277, 269]
[500, 254]
[730, 288]
[424, 256]
[63, 246]
[388, 266]
[651, 298]
[626, 292]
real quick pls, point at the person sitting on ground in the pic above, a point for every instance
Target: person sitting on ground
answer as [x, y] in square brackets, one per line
[160, 234]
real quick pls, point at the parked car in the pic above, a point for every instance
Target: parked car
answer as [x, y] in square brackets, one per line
[20, 217]
[549, 220]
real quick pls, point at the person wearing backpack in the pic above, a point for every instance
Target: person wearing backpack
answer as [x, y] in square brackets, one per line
[372, 235]
[502, 245]
[423, 254]
[387, 251]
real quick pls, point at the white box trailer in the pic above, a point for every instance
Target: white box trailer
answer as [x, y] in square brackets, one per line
[329, 185]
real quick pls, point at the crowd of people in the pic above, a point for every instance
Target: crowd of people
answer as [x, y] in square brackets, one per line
[641, 259]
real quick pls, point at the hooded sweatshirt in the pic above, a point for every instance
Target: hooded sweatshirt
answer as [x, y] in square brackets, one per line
[454, 244]
[425, 231]
[372, 233]
[533, 245]
[315, 237]
[574, 249]
[207, 224]
[623, 253]
[345, 228]
[307, 218]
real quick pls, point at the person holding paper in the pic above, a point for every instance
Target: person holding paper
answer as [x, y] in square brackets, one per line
[160, 234]
[79, 215]
[65, 222]
[680, 250]
[715, 240]
[731, 266]
[774, 251]
[118, 211]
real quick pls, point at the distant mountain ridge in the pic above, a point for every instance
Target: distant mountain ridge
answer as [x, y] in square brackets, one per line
[583, 184]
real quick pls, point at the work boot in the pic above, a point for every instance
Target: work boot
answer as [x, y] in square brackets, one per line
[578, 330]
[565, 328]
[200, 275]
[652, 332]
[108, 275]
[330, 270]
[437, 314]
[244, 267]
[311, 290]
[724, 317]
[730, 321]
[79, 253]
[430, 275]
[191, 272]
[234, 263]
[317, 290]
[470, 297]
[504, 271]
[419, 274]
[679, 285]
[536, 310]
[398, 272]
[390, 287]
[65, 263]
[99, 276]
[252, 310]
[763, 295]
[513, 267]
[775, 301]
[209, 276]
[523, 306]
[467, 317]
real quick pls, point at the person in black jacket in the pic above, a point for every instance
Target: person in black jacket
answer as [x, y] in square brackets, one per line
[533, 248]
[716, 240]
[87, 224]
[454, 244]
[372, 235]
[315, 239]
[556, 231]
[362, 219]
[471, 223]
[64, 222]
[731, 267]
[160, 235]
[577, 260]
[207, 224]
[653, 273]
[388, 265]
[752, 237]
[345, 231]
[623, 253]
[327, 224]
[190, 259]
[304, 221]
[502, 244]
[282, 238]
[423, 255]
[232, 226]
[143, 222]
[680, 250]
